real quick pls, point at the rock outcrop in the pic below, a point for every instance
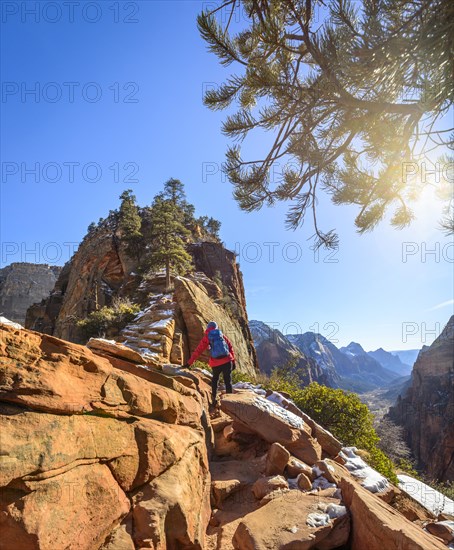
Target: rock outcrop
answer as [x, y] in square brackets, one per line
[169, 325]
[102, 452]
[196, 308]
[88, 448]
[22, 284]
[426, 411]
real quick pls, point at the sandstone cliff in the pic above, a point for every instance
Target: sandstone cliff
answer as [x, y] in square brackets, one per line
[170, 324]
[99, 452]
[21, 285]
[426, 410]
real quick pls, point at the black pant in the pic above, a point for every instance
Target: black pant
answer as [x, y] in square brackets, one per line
[226, 370]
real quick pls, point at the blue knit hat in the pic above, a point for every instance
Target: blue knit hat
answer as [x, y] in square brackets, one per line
[212, 325]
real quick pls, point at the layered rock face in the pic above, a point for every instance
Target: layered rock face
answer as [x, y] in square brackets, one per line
[94, 455]
[99, 270]
[426, 411]
[169, 325]
[101, 452]
[21, 285]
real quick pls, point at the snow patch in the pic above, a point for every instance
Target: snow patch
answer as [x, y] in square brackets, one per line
[370, 478]
[277, 398]
[428, 497]
[248, 386]
[317, 519]
[5, 321]
[104, 340]
[322, 483]
[162, 323]
[335, 511]
[275, 410]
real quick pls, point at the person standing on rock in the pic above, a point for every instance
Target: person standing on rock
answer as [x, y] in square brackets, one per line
[222, 358]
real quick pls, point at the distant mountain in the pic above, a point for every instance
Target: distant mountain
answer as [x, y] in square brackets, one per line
[276, 350]
[407, 356]
[22, 284]
[349, 368]
[366, 372]
[353, 349]
[324, 352]
[390, 361]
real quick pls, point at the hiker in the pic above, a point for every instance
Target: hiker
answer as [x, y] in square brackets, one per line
[222, 358]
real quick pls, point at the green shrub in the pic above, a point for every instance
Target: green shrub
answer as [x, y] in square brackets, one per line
[407, 466]
[199, 365]
[98, 322]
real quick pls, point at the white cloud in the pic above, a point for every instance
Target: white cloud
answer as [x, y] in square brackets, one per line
[442, 304]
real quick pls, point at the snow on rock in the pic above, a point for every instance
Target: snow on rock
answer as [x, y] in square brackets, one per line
[335, 510]
[428, 497]
[5, 321]
[326, 513]
[105, 341]
[322, 483]
[317, 519]
[275, 410]
[370, 478]
[251, 387]
[277, 398]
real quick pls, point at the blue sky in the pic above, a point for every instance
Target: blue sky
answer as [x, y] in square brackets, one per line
[119, 89]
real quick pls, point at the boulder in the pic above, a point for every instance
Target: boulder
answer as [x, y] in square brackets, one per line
[266, 485]
[304, 482]
[330, 444]
[273, 424]
[121, 537]
[376, 525]
[442, 529]
[276, 460]
[103, 347]
[296, 467]
[330, 470]
[282, 523]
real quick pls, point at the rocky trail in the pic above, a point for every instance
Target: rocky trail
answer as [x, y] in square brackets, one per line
[101, 451]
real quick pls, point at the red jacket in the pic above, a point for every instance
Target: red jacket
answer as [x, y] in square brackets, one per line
[213, 362]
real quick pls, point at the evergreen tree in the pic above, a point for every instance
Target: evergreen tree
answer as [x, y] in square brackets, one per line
[213, 227]
[355, 93]
[188, 214]
[168, 238]
[174, 191]
[209, 225]
[130, 223]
